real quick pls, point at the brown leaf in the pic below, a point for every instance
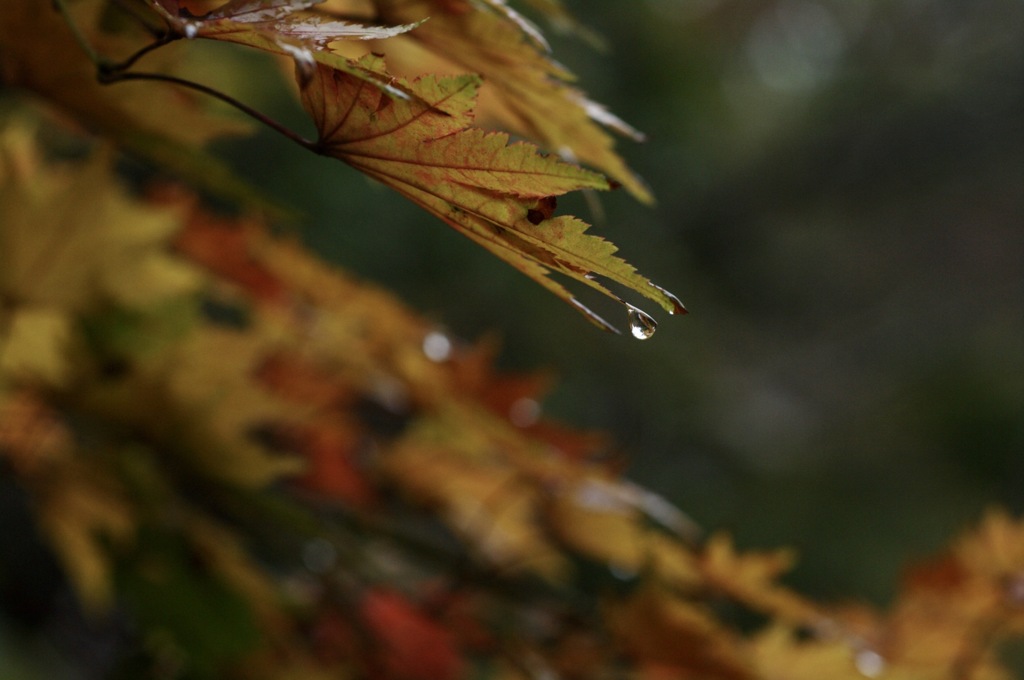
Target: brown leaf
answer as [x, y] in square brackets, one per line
[656, 627]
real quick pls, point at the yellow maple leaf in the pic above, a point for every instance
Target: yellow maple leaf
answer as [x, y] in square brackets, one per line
[751, 578]
[82, 515]
[995, 549]
[528, 91]
[202, 395]
[484, 501]
[71, 241]
[655, 626]
[81, 510]
[71, 238]
[778, 654]
[498, 194]
[603, 520]
[34, 346]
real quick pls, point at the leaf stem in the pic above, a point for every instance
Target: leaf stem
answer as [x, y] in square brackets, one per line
[109, 73]
[108, 70]
[76, 32]
[104, 65]
[118, 76]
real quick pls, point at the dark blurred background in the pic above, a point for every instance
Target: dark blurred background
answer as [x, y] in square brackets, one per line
[841, 207]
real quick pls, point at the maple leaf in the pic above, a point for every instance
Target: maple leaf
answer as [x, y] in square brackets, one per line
[281, 27]
[81, 511]
[751, 579]
[563, 20]
[485, 502]
[412, 646]
[491, 191]
[779, 655]
[82, 515]
[606, 521]
[954, 609]
[32, 436]
[655, 626]
[498, 194]
[167, 127]
[57, 69]
[216, 403]
[528, 91]
[223, 247]
[282, 21]
[34, 346]
[71, 242]
[995, 548]
[331, 451]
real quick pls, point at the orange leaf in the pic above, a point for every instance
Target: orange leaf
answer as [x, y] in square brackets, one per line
[223, 247]
[330, 449]
[656, 627]
[412, 646]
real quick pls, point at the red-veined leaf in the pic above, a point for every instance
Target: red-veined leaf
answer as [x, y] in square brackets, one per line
[497, 193]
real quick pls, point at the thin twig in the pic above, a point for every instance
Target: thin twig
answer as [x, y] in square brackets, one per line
[108, 68]
[114, 77]
[109, 73]
[76, 32]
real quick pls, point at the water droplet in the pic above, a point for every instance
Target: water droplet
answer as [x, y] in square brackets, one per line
[391, 393]
[869, 663]
[524, 412]
[305, 65]
[641, 324]
[437, 346]
[677, 305]
[1015, 589]
[622, 573]
[190, 30]
[319, 556]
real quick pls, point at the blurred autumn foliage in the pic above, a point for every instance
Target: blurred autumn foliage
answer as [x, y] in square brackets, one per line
[249, 464]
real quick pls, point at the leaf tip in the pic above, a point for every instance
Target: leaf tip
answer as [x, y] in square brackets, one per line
[593, 317]
[670, 301]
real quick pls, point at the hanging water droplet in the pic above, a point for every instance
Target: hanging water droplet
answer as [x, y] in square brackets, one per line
[870, 663]
[437, 346]
[190, 30]
[641, 324]
[305, 65]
